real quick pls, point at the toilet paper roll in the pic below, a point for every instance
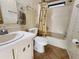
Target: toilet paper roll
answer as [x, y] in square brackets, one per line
[75, 41]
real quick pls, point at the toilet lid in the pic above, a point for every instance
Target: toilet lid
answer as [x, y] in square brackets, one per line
[41, 40]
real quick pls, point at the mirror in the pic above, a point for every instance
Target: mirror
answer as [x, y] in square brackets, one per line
[26, 15]
[18, 12]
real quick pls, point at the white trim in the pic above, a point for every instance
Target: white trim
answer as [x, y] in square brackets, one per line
[68, 54]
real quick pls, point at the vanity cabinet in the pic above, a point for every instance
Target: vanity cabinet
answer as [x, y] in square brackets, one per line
[21, 50]
[24, 50]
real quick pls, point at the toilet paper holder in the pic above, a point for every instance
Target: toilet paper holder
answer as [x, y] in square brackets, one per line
[76, 42]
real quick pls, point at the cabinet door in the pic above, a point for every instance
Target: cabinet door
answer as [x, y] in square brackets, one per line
[6, 54]
[30, 49]
[24, 50]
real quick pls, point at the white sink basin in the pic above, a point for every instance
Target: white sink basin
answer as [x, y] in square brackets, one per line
[9, 38]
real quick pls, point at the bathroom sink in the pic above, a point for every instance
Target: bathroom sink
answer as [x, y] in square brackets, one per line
[11, 37]
[16, 44]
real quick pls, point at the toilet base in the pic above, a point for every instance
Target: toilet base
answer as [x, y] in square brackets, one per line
[39, 49]
[40, 42]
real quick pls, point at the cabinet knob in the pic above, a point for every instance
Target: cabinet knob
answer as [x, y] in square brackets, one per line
[28, 45]
[24, 49]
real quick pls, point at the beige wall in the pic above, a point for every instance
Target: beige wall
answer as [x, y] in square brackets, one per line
[58, 19]
[72, 49]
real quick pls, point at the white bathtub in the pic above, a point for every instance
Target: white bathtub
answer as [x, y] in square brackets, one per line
[57, 42]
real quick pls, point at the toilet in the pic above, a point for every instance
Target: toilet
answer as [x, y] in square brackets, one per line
[40, 41]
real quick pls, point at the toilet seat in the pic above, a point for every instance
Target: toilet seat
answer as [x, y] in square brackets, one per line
[41, 40]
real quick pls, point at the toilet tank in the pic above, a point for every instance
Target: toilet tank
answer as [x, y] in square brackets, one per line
[33, 30]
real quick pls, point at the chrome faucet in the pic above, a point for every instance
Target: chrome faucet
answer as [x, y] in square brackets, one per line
[3, 30]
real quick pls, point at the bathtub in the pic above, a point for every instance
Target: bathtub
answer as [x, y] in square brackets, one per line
[57, 42]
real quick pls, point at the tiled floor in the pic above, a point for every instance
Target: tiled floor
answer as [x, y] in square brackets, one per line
[52, 52]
